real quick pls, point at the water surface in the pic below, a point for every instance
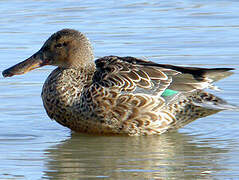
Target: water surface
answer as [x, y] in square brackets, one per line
[181, 32]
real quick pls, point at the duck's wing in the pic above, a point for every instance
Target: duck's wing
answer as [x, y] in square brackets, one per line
[193, 78]
[127, 74]
[137, 75]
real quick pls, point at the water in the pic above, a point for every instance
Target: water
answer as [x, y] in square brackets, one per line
[198, 33]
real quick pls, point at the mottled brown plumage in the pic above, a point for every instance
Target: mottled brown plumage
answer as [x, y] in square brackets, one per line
[119, 95]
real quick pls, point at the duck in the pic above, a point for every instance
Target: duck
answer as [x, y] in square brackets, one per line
[120, 95]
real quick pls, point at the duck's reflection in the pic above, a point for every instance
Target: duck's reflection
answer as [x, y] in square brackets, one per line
[167, 156]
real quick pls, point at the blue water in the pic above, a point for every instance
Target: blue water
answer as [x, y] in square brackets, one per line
[196, 33]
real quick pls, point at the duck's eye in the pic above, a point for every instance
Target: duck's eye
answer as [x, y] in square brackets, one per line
[58, 45]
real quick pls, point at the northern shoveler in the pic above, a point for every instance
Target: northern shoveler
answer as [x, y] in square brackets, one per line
[119, 95]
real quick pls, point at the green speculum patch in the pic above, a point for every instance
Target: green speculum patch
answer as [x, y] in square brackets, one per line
[169, 92]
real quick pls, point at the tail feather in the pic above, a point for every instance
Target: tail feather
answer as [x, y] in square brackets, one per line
[193, 105]
[217, 106]
[198, 78]
[210, 101]
[218, 73]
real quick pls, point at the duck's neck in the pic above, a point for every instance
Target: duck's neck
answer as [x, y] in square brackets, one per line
[80, 74]
[67, 82]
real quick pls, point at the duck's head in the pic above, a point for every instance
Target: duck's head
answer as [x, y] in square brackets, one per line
[66, 48]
